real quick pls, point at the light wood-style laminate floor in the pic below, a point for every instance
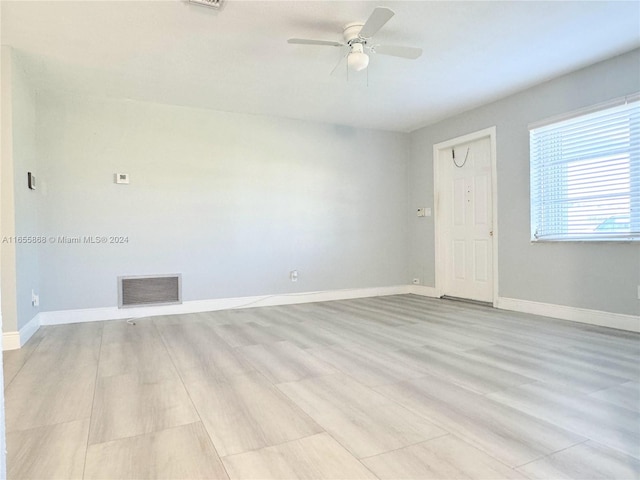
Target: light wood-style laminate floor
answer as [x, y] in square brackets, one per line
[396, 387]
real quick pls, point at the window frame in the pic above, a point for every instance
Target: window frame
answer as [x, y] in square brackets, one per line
[536, 199]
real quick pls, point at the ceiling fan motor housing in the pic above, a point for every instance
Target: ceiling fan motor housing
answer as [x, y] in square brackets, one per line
[351, 33]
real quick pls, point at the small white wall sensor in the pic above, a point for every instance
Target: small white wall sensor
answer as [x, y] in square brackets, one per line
[122, 178]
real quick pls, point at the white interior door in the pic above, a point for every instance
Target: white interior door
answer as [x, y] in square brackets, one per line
[466, 209]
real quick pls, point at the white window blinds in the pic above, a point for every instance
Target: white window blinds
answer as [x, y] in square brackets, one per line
[585, 176]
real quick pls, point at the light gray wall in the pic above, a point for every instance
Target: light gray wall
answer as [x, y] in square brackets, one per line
[602, 276]
[231, 201]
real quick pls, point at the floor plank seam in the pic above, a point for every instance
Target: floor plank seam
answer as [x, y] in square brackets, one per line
[93, 400]
[552, 453]
[213, 445]
[29, 355]
[447, 433]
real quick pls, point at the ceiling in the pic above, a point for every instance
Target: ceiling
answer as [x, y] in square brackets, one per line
[238, 59]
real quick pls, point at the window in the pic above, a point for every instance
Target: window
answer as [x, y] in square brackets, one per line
[585, 175]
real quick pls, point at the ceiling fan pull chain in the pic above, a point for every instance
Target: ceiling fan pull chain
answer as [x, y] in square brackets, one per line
[453, 153]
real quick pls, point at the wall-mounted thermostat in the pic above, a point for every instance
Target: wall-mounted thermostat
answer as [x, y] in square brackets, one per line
[31, 180]
[122, 178]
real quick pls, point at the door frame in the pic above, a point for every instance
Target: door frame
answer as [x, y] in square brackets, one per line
[440, 259]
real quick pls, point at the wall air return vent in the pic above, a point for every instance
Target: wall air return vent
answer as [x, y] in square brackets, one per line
[145, 290]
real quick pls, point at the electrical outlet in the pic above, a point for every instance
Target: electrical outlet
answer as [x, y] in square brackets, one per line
[293, 275]
[416, 281]
[638, 292]
[35, 299]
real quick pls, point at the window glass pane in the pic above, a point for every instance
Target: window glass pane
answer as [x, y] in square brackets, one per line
[585, 177]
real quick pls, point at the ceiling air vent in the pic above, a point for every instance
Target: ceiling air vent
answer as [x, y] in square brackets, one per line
[208, 3]
[148, 290]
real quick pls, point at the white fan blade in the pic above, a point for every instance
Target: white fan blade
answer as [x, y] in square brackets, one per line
[397, 51]
[376, 21]
[307, 41]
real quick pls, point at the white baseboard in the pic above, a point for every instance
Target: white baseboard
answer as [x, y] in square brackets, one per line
[15, 340]
[575, 314]
[113, 313]
[11, 341]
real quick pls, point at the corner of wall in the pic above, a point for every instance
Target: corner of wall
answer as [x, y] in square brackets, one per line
[18, 210]
[17, 339]
[7, 211]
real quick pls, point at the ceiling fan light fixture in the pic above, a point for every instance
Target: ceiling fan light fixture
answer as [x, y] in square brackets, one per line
[357, 59]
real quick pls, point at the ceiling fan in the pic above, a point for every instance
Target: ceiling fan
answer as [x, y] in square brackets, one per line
[358, 37]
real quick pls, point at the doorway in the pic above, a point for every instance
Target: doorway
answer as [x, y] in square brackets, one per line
[465, 217]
